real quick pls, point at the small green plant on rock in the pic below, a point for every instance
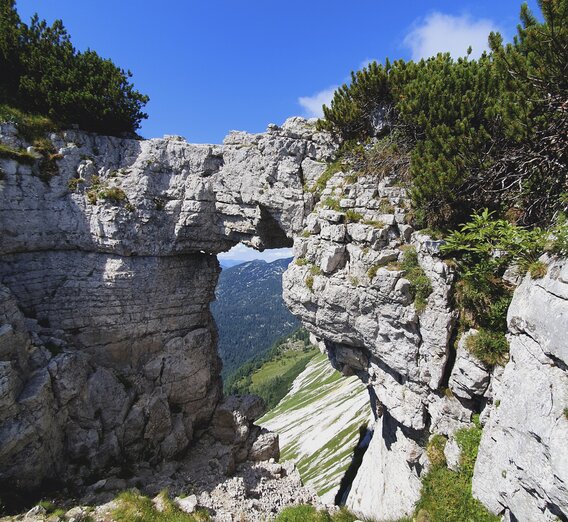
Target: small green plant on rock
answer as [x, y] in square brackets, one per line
[435, 450]
[20, 155]
[538, 269]
[308, 513]
[73, 183]
[315, 270]
[302, 261]
[100, 191]
[351, 216]
[51, 509]
[490, 347]
[446, 494]
[374, 223]
[332, 203]
[328, 173]
[310, 282]
[421, 287]
[385, 206]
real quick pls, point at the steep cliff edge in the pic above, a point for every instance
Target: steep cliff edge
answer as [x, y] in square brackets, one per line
[107, 343]
[348, 287]
[522, 466]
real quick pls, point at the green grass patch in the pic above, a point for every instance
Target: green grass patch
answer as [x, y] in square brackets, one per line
[351, 216]
[32, 127]
[332, 203]
[488, 346]
[385, 206]
[310, 282]
[133, 507]
[435, 450]
[19, 155]
[51, 509]
[537, 269]
[307, 513]
[100, 191]
[420, 285]
[301, 261]
[271, 376]
[315, 270]
[446, 494]
[374, 223]
[328, 173]
[73, 183]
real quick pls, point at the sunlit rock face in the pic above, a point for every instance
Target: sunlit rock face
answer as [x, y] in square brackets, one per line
[349, 291]
[107, 345]
[347, 287]
[522, 465]
[108, 349]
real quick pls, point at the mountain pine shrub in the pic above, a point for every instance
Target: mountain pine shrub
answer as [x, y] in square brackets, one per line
[44, 74]
[486, 133]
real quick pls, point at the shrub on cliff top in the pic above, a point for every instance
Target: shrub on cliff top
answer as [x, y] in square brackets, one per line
[43, 73]
[482, 133]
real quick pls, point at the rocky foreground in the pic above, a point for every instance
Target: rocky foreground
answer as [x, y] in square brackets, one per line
[108, 349]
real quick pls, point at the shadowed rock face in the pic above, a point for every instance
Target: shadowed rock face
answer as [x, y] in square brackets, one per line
[107, 345]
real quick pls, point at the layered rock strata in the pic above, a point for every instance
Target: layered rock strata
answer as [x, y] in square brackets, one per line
[107, 345]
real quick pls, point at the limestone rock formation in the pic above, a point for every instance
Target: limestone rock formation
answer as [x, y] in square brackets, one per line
[522, 465]
[361, 307]
[107, 345]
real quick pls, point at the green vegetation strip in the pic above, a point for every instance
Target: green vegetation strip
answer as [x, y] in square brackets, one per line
[446, 494]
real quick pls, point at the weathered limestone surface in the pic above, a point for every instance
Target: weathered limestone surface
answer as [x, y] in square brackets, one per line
[361, 307]
[107, 345]
[522, 466]
[108, 349]
[349, 293]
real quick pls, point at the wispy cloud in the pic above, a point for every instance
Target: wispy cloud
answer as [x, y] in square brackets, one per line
[440, 32]
[312, 105]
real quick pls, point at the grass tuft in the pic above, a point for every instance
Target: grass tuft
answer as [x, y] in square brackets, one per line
[537, 269]
[133, 507]
[351, 216]
[307, 513]
[488, 346]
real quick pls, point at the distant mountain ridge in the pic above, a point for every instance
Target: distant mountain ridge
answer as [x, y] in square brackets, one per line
[249, 311]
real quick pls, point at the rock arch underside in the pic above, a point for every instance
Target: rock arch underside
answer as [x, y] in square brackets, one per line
[108, 348]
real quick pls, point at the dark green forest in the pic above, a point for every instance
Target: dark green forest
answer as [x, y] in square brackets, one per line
[250, 312]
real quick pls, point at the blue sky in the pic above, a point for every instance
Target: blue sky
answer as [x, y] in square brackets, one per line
[211, 66]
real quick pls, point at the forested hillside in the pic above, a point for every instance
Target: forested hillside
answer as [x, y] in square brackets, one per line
[249, 311]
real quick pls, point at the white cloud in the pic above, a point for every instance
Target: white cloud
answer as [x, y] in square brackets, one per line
[440, 32]
[241, 252]
[312, 105]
